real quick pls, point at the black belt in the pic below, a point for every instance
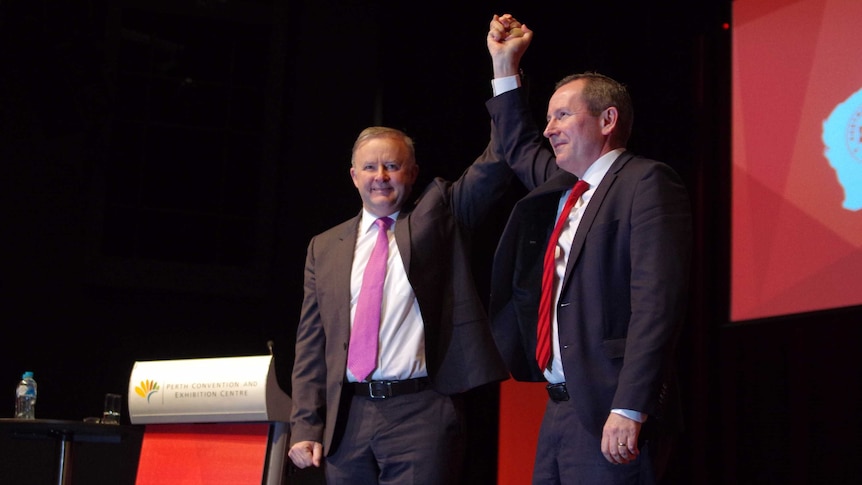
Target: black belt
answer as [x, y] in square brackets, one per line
[558, 392]
[387, 389]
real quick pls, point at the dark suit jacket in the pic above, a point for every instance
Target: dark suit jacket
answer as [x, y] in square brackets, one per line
[433, 239]
[624, 293]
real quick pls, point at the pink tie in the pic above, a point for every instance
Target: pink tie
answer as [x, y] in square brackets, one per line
[549, 273]
[362, 352]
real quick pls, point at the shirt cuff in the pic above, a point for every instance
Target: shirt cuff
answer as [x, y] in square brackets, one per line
[505, 84]
[635, 415]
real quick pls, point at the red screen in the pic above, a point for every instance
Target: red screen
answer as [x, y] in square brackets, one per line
[797, 157]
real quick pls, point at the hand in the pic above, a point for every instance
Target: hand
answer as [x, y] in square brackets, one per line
[508, 39]
[306, 453]
[620, 429]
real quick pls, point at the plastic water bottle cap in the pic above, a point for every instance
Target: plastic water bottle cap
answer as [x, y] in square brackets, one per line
[27, 374]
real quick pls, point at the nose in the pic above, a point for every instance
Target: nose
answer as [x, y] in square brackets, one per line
[382, 173]
[550, 129]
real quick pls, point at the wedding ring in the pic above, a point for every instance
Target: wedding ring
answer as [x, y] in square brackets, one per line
[621, 444]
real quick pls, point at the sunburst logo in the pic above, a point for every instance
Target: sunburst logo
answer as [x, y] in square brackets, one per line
[146, 389]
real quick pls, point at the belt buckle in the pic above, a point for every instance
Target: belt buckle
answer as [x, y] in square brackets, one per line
[558, 392]
[379, 389]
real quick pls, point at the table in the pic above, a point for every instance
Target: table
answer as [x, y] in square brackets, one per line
[66, 433]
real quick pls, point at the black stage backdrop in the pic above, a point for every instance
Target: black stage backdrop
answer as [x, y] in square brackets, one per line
[165, 163]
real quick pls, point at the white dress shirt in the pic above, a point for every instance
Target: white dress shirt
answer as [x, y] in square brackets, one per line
[401, 353]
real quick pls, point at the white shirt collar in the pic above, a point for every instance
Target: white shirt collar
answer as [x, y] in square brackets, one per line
[596, 172]
[369, 218]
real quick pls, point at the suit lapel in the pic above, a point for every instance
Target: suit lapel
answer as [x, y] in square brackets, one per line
[590, 213]
[402, 239]
[537, 212]
[342, 261]
[560, 182]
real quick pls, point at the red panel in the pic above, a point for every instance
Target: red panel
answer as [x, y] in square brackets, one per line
[203, 454]
[522, 405]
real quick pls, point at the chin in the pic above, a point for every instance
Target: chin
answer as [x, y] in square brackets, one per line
[383, 210]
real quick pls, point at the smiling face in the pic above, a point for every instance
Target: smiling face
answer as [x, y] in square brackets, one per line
[577, 136]
[383, 171]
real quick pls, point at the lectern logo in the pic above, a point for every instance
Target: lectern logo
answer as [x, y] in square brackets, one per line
[146, 389]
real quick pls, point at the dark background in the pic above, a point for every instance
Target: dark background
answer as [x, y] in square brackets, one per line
[164, 164]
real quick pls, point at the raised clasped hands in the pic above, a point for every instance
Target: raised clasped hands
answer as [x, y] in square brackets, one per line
[508, 39]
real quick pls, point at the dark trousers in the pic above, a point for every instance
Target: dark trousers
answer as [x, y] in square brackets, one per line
[569, 454]
[407, 439]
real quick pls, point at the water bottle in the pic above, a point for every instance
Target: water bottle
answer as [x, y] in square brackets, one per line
[25, 397]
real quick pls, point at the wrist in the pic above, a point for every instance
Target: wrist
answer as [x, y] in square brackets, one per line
[505, 67]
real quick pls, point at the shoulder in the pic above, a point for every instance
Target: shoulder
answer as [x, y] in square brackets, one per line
[339, 232]
[433, 197]
[636, 166]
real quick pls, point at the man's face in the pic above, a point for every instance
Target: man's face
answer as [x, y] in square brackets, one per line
[384, 174]
[577, 137]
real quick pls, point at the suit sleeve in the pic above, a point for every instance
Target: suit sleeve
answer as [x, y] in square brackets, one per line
[660, 250]
[309, 371]
[483, 183]
[518, 139]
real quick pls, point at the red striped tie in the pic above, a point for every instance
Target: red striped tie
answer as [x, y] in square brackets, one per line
[543, 331]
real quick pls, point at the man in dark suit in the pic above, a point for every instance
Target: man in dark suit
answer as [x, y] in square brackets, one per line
[402, 422]
[616, 280]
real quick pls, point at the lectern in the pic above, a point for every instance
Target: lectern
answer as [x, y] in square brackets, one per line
[210, 421]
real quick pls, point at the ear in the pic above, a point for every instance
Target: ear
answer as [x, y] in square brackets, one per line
[609, 118]
[353, 177]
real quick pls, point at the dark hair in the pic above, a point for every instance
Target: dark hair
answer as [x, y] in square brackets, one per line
[601, 92]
